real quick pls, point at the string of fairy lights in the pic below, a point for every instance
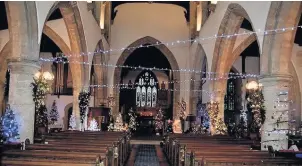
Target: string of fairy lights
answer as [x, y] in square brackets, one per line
[61, 60]
[177, 42]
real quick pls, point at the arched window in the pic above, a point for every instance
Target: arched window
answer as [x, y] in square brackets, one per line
[146, 90]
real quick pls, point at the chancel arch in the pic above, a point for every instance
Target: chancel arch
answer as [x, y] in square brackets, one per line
[167, 56]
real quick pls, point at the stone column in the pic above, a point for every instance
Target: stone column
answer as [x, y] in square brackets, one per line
[275, 87]
[20, 96]
[75, 106]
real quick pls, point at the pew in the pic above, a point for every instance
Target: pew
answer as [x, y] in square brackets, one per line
[184, 150]
[73, 148]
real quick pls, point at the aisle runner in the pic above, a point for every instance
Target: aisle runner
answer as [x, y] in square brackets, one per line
[146, 156]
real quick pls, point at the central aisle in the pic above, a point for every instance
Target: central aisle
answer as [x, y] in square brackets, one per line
[146, 155]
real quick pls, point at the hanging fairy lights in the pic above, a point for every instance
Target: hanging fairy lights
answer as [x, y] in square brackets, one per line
[178, 42]
[61, 60]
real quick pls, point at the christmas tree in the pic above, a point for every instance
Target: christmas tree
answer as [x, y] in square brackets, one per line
[84, 98]
[132, 122]
[220, 127]
[53, 115]
[9, 129]
[159, 120]
[93, 125]
[72, 122]
[182, 109]
[41, 117]
[118, 124]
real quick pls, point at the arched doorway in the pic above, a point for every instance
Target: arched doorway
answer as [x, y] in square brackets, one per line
[67, 113]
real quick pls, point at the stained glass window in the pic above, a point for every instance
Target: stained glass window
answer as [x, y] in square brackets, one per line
[146, 90]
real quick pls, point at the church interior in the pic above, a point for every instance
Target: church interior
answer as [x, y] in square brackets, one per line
[150, 83]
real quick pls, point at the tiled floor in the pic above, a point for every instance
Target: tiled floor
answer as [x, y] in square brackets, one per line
[146, 155]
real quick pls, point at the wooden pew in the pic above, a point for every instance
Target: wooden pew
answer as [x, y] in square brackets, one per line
[74, 148]
[205, 150]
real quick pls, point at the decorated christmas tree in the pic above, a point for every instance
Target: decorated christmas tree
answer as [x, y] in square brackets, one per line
[132, 121]
[84, 98]
[93, 125]
[213, 114]
[9, 127]
[159, 121]
[41, 117]
[256, 105]
[220, 127]
[72, 122]
[182, 109]
[53, 115]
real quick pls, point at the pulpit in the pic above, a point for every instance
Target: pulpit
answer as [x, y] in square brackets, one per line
[101, 115]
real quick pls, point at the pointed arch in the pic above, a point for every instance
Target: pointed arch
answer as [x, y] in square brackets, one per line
[222, 57]
[168, 54]
[277, 48]
[200, 64]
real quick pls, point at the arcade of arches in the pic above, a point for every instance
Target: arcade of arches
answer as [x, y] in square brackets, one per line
[152, 53]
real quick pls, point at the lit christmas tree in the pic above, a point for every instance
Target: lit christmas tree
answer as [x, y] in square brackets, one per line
[84, 98]
[72, 122]
[118, 124]
[53, 115]
[41, 116]
[93, 125]
[132, 122]
[159, 121]
[220, 127]
[9, 126]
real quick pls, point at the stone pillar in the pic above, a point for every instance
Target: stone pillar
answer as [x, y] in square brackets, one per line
[20, 96]
[275, 87]
[75, 106]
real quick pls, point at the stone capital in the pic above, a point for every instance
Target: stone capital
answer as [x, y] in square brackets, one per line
[275, 79]
[24, 66]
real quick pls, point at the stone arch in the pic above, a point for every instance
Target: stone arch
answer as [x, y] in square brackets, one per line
[100, 74]
[4, 54]
[56, 39]
[23, 28]
[242, 46]
[65, 118]
[71, 16]
[277, 48]
[168, 54]
[200, 62]
[222, 61]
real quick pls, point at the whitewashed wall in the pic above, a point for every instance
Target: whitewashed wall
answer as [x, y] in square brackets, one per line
[62, 103]
[164, 22]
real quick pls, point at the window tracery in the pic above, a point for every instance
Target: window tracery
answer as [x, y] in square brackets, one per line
[146, 91]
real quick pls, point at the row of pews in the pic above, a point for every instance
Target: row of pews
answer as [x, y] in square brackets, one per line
[73, 148]
[186, 150]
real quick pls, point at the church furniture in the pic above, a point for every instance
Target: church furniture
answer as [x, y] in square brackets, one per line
[193, 150]
[74, 148]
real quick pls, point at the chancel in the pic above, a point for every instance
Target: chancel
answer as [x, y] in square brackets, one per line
[118, 83]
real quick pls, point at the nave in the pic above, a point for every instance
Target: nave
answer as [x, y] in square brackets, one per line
[117, 149]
